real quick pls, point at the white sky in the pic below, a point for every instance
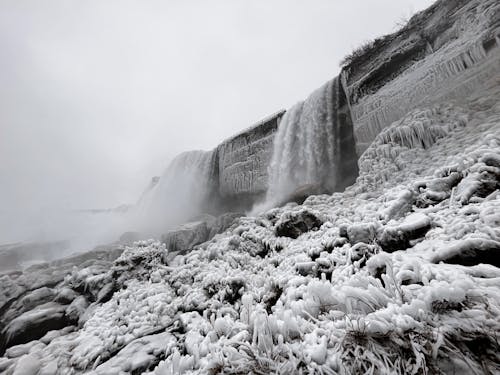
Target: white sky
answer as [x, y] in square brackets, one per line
[97, 96]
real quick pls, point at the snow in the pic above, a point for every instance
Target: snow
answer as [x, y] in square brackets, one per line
[319, 302]
[402, 276]
[454, 70]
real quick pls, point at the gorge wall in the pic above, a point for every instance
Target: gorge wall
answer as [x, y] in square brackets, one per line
[445, 52]
[243, 162]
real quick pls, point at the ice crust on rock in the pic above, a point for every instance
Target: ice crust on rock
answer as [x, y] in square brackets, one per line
[399, 276]
[330, 301]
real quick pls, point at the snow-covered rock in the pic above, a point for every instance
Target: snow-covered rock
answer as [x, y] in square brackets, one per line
[445, 52]
[244, 159]
[397, 274]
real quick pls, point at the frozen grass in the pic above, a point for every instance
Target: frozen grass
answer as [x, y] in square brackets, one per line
[249, 302]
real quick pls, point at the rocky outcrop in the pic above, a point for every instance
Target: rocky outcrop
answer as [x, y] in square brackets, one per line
[444, 52]
[398, 273]
[294, 224]
[46, 297]
[231, 177]
[244, 160]
[188, 235]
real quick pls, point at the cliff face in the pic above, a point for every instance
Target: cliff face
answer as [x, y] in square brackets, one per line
[397, 274]
[244, 159]
[446, 52]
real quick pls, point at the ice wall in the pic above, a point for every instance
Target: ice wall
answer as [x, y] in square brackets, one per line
[445, 53]
[243, 162]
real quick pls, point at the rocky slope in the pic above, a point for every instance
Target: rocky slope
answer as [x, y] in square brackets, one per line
[448, 51]
[397, 274]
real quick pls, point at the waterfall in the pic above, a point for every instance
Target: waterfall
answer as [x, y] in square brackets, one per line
[183, 191]
[305, 150]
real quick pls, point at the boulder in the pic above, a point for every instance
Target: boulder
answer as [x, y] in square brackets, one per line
[296, 223]
[223, 222]
[186, 236]
[362, 232]
[470, 252]
[300, 194]
[203, 228]
[398, 237]
[34, 324]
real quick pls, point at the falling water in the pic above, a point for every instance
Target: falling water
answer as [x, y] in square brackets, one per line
[305, 146]
[181, 192]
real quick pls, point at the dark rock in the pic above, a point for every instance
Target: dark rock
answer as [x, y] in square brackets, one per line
[77, 309]
[272, 297]
[471, 252]
[106, 292]
[398, 237]
[492, 160]
[479, 184]
[306, 268]
[301, 193]
[34, 324]
[37, 297]
[28, 295]
[204, 228]
[343, 231]
[401, 205]
[186, 236]
[294, 224]
[137, 357]
[65, 296]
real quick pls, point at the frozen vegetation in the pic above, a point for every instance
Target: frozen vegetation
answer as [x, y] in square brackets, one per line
[398, 274]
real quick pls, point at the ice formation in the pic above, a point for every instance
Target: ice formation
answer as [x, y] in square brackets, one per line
[459, 61]
[398, 274]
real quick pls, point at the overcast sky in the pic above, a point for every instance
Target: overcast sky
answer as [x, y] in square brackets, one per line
[97, 96]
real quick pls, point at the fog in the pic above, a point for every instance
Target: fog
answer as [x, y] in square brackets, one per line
[96, 97]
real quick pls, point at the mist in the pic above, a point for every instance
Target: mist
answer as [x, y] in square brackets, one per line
[98, 97]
